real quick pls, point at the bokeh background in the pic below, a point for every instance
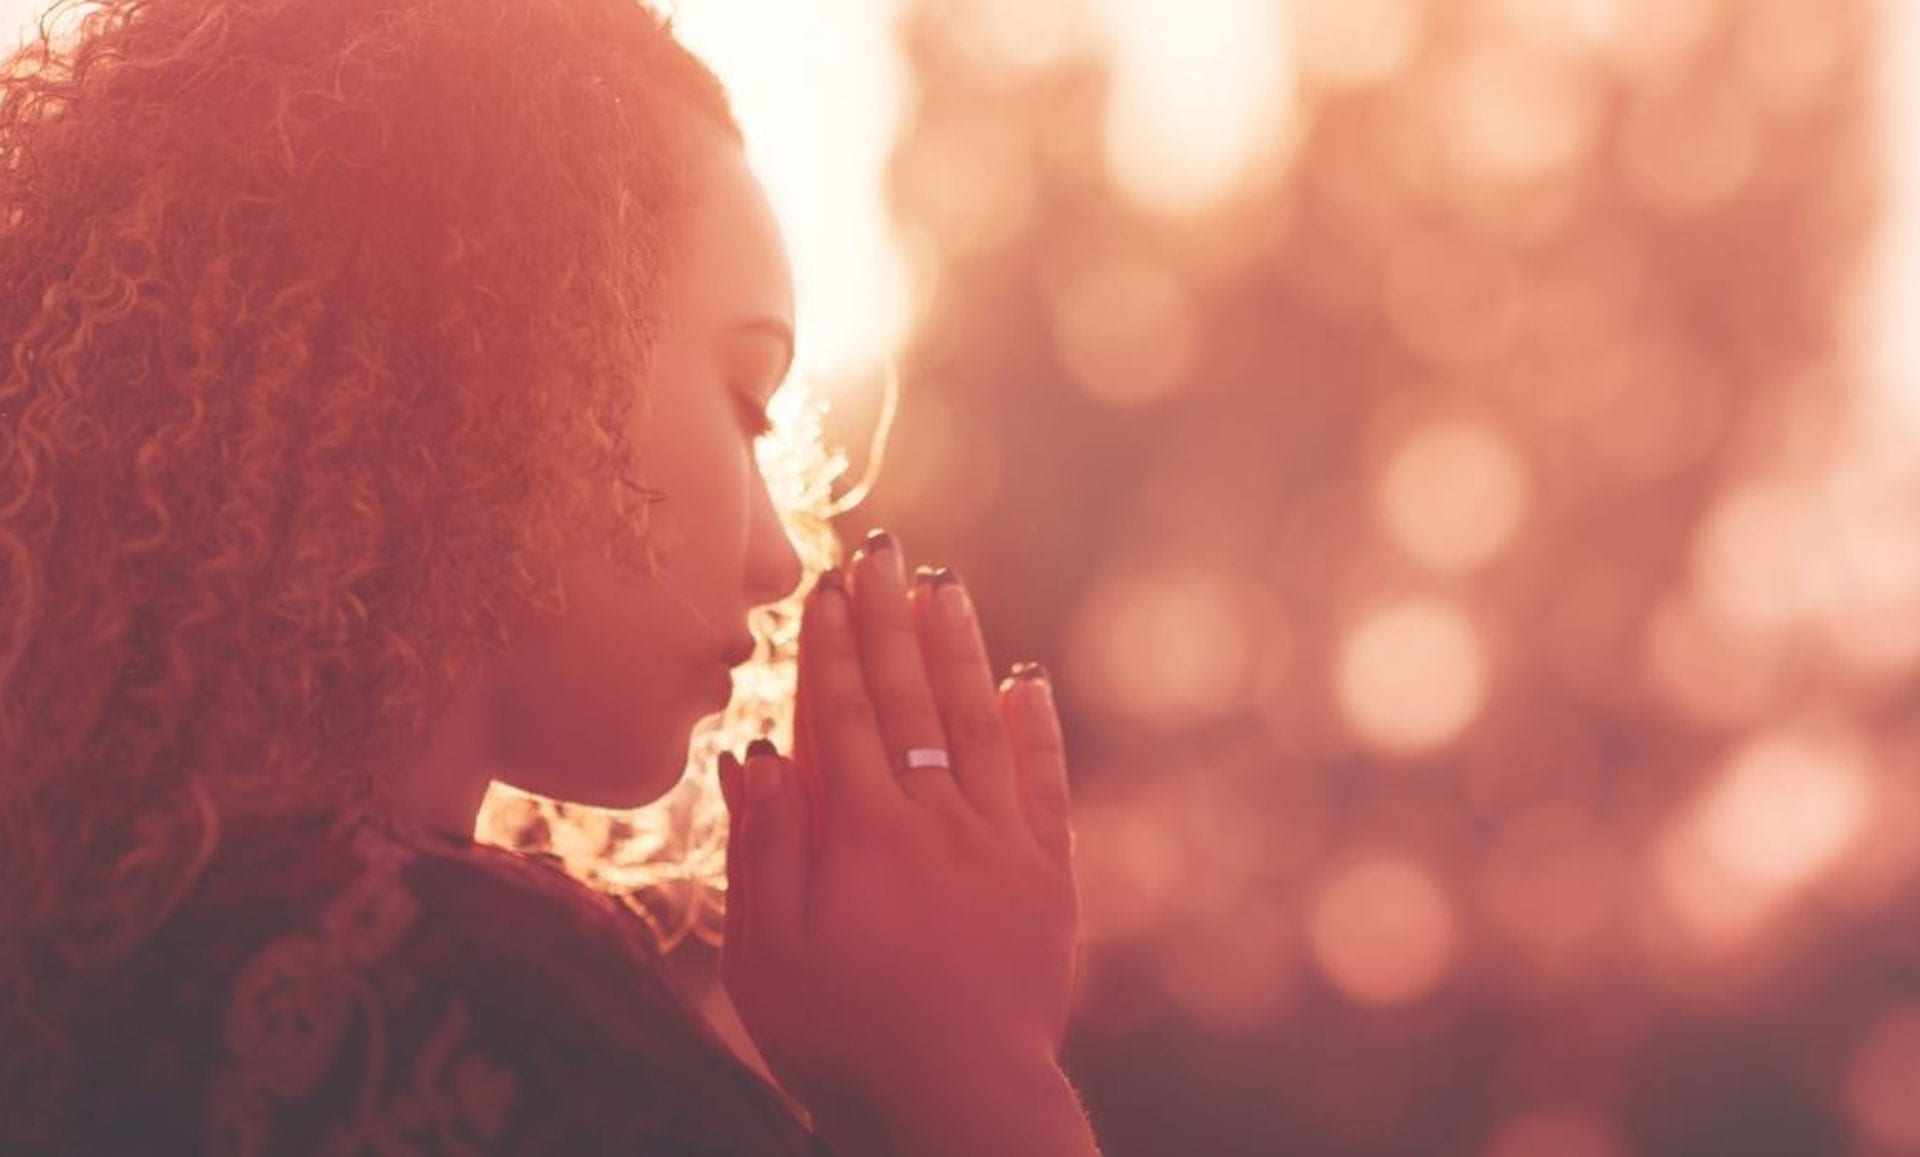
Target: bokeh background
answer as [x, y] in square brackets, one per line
[1458, 458]
[1461, 462]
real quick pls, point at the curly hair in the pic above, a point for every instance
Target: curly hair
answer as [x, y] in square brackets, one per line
[324, 320]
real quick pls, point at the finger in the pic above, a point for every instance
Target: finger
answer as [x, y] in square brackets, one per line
[772, 860]
[896, 677]
[730, 789]
[1039, 758]
[963, 686]
[806, 767]
[726, 767]
[848, 755]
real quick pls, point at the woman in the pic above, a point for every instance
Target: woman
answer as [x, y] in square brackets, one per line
[378, 422]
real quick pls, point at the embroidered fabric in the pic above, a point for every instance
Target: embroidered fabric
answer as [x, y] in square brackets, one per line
[350, 984]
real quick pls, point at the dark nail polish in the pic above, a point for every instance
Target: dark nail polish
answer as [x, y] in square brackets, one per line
[1030, 670]
[944, 577]
[761, 746]
[878, 540]
[831, 579]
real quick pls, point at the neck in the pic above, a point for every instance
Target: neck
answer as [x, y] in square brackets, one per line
[443, 785]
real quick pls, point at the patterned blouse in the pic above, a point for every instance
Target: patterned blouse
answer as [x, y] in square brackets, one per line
[348, 984]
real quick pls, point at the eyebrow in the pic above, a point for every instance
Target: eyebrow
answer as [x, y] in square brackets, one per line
[774, 328]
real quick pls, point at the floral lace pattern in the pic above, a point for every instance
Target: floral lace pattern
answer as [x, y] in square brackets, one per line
[351, 985]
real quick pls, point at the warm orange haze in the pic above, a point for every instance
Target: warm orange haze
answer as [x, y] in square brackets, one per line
[1460, 460]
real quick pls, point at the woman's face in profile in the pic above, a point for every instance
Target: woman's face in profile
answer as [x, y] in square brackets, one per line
[599, 705]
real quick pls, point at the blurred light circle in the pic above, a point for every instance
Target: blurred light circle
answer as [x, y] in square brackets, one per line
[1757, 553]
[1202, 93]
[1568, 25]
[1690, 151]
[1880, 1088]
[1019, 35]
[1126, 329]
[1558, 1133]
[1787, 807]
[1411, 676]
[1173, 648]
[1791, 51]
[1382, 931]
[1518, 115]
[969, 182]
[1654, 42]
[1353, 43]
[1453, 494]
[1710, 670]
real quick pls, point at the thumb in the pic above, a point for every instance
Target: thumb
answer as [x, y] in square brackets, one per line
[773, 860]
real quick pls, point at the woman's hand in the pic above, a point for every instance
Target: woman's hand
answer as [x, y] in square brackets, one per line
[897, 936]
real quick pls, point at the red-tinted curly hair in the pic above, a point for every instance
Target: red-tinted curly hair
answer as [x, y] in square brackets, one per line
[322, 322]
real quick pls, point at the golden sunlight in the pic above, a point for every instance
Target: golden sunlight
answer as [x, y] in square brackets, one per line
[818, 90]
[1203, 94]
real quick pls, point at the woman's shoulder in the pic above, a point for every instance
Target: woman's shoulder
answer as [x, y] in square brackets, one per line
[361, 885]
[350, 981]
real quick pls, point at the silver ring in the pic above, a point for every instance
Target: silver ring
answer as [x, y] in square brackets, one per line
[918, 757]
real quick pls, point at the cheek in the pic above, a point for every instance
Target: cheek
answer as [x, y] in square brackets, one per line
[701, 531]
[601, 704]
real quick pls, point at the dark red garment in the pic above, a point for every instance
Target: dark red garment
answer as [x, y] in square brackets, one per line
[348, 984]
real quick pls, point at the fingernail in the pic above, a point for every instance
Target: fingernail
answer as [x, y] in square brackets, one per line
[881, 545]
[1030, 670]
[952, 596]
[831, 598]
[924, 575]
[761, 746]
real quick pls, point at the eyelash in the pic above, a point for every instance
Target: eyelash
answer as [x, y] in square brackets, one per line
[759, 425]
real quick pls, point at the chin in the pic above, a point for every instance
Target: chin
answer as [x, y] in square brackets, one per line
[643, 785]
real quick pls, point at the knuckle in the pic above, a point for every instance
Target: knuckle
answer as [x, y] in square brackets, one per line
[896, 626]
[845, 709]
[900, 701]
[972, 838]
[1044, 743]
[904, 846]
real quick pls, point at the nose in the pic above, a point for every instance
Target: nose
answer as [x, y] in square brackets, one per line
[773, 566]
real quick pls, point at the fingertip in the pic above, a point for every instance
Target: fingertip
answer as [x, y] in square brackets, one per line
[1029, 686]
[765, 772]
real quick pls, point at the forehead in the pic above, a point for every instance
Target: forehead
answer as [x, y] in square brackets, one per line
[734, 263]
